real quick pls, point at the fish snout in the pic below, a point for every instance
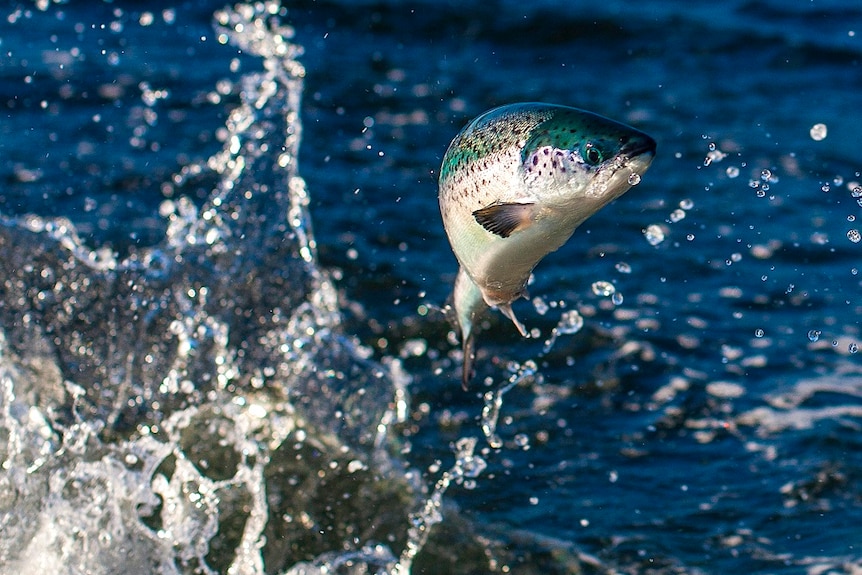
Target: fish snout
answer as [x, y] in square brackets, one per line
[638, 145]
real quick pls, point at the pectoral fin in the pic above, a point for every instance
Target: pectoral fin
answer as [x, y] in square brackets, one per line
[505, 219]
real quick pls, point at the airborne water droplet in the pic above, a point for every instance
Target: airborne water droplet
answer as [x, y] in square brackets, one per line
[677, 215]
[623, 268]
[540, 305]
[818, 132]
[634, 179]
[570, 322]
[854, 236]
[814, 334]
[602, 288]
[654, 234]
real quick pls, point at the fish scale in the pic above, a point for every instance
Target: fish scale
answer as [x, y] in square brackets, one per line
[514, 185]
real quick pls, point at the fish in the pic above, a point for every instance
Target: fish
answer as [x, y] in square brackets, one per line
[514, 184]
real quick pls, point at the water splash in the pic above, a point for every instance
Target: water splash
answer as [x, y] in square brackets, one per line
[153, 408]
[570, 322]
[493, 403]
[467, 466]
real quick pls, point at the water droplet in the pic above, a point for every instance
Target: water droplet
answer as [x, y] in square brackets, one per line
[689, 237]
[761, 193]
[825, 187]
[677, 215]
[714, 156]
[617, 298]
[818, 132]
[838, 180]
[654, 234]
[814, 334]
[856, 191]
[853, 348]
[414, 348]
[765, 175]
[686, 204]
[570, 322]
[540, 305]
[732, 171]
[854, 236]
[758, 332]
[623, 268]
[634, 179]
[851, 218]
[603, 288]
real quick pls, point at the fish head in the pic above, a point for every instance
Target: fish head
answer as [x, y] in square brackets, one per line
[576, 162]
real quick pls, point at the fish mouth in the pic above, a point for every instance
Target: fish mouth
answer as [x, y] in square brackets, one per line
[635, 156]
[639, 147]
[633, 159]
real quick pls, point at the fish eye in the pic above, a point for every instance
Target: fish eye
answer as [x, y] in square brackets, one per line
[592, 155]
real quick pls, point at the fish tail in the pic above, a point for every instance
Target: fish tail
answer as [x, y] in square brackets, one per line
[468, 303]
[469, 356]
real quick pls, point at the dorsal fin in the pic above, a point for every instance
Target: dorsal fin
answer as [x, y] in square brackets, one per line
[505, 219]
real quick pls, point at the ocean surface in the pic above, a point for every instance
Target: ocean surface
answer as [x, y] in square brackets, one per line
[223, 282]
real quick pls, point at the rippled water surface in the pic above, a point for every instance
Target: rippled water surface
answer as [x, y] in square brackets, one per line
[221, 344]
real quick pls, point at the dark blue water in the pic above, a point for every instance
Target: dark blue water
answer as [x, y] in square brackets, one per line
[708, 423]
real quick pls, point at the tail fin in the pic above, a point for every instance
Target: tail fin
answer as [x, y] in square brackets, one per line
[468, 303]
[469, 356]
